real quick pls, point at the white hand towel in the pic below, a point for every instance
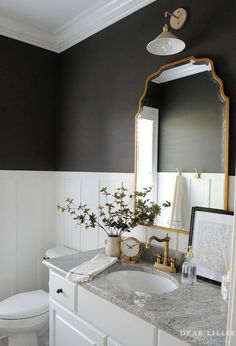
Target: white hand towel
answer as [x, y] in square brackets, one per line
[176, 212]
[86, 271]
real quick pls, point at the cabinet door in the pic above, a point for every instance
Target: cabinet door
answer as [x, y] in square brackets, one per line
[112, 342]
[68, 329]
[66, 333]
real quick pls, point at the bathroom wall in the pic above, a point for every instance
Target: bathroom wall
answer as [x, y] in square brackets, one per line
[27, 229]
[28, 110]
[88, 127]
[103, 78]
[84, 187]
[28, 106]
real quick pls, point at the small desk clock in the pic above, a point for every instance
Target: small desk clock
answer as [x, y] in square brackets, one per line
[130, 247]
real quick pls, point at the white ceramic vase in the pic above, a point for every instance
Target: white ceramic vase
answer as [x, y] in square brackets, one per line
[112, 246]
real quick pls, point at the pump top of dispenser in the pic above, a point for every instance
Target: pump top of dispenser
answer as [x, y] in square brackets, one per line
[190, 252]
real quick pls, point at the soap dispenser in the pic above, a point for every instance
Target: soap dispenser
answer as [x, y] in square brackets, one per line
[189, 269]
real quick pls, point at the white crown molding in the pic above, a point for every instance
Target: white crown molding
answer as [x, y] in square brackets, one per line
[86, 24]
[21, 30]
[95, 20]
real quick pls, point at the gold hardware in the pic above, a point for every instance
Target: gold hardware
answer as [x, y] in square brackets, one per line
[158, 256]
[197, 174]
[171, 14]
[130, 260]
[165, 28]
[172, 265]
[163, 266]
[177, 18]
[178, 171]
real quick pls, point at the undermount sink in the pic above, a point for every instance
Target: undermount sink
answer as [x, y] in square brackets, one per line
[142, 282]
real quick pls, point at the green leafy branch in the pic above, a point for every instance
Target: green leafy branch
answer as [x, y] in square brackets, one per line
[116, 217]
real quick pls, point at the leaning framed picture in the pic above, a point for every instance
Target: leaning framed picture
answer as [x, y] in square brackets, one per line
[210, 237]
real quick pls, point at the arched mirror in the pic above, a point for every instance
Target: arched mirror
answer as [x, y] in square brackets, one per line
[182, 140]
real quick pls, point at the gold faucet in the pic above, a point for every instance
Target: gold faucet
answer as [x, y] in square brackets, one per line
[163, 266]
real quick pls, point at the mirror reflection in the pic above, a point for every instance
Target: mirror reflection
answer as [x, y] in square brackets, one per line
[181, 140]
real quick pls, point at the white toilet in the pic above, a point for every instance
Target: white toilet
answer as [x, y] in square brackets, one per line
[25, 316]
[59, 252]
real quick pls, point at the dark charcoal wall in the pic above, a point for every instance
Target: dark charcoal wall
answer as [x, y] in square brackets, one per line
[103, 78]
[101, 82]
[28, 101]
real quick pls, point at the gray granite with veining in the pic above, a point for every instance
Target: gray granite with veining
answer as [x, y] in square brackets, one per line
[197, 314]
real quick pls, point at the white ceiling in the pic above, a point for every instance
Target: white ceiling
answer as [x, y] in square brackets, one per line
[59, 24]
[50, 14]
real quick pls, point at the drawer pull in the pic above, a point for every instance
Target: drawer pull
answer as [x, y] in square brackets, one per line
[59, 290]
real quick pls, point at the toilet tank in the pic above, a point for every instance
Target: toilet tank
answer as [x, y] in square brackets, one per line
[59, 252]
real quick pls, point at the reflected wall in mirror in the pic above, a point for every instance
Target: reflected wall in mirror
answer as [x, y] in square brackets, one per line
[182, 129]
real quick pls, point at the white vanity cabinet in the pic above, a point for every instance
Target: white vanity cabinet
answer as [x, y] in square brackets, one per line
[165, 339]
[81, 318]
[112, 342]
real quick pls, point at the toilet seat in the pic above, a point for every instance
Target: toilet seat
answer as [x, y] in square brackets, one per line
[24, 325]
[24, 305]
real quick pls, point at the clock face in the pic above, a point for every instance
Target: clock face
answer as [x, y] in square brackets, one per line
[130, 247]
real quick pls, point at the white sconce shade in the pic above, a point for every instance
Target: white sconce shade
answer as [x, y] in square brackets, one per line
[166, 43]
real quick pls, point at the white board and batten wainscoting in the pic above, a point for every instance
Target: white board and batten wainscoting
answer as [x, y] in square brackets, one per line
[84, 187]
[27, 229]
[30, 222]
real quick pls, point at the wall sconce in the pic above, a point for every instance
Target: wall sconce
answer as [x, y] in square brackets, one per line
[166, 43]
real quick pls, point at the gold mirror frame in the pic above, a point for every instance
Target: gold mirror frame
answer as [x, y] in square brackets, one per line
[224, 97]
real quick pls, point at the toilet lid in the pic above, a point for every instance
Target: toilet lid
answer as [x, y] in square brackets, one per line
[59, 252]
[24, 305]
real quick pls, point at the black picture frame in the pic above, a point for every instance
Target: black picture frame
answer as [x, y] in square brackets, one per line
[215, 224]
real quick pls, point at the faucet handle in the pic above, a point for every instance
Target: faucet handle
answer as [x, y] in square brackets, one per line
[158, 256]
[172, 264]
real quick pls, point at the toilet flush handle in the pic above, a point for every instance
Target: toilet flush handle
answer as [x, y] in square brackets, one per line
[59, 290]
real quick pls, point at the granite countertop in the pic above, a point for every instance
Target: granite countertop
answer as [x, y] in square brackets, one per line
[197, 314]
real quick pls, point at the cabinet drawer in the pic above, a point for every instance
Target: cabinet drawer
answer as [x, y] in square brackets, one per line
[63, 291]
